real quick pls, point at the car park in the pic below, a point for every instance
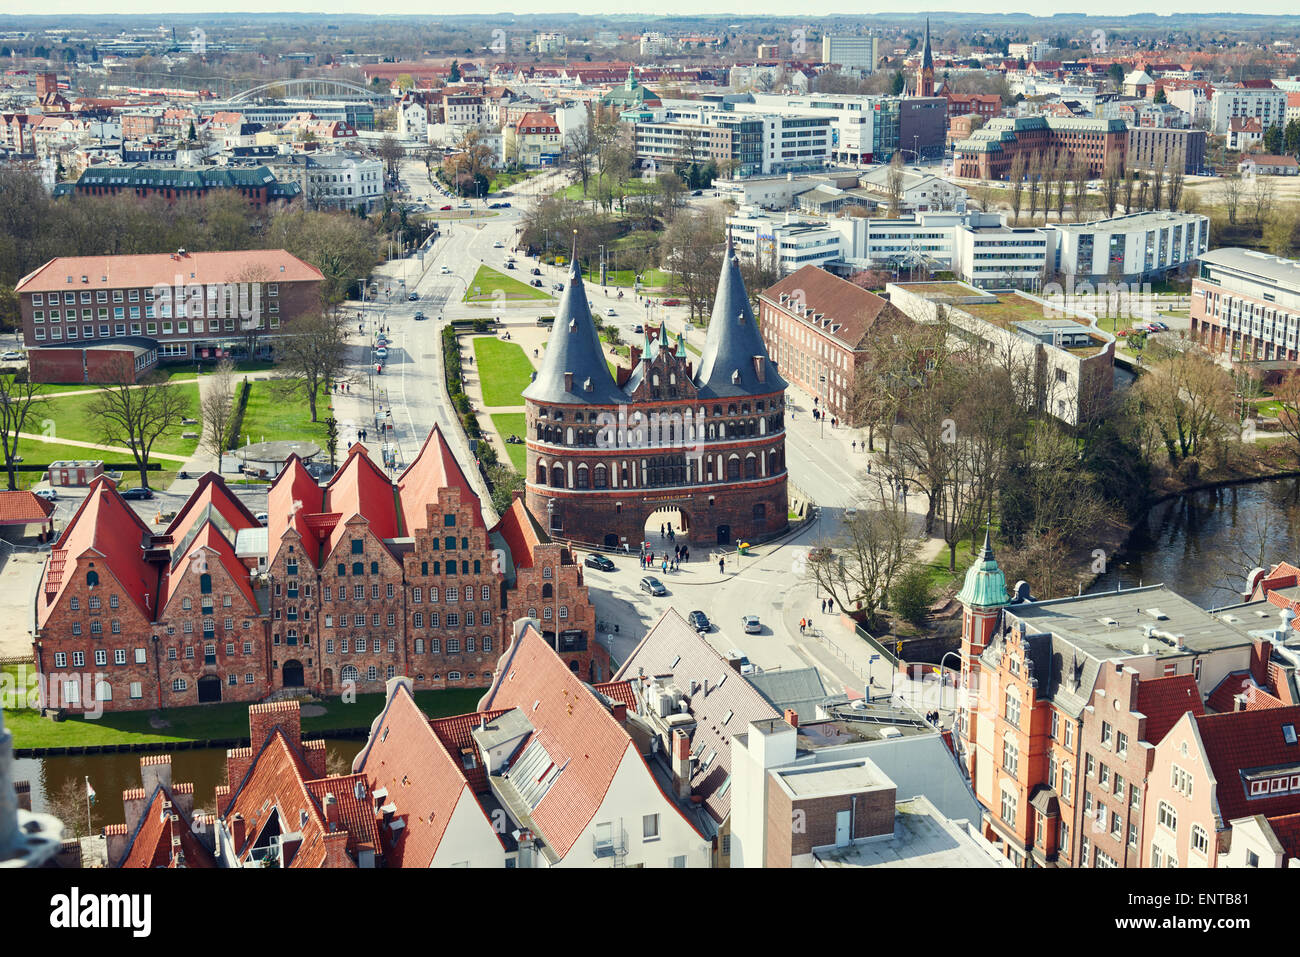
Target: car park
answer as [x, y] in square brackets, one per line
[751, 624]
[653, 586]
[700, 622]
[599, 562]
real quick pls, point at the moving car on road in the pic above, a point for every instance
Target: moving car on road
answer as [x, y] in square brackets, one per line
[746, 668]
[599, 562]
[751, 624]
[413, 297]
[700, 622]
[419, 316]
[653, 586]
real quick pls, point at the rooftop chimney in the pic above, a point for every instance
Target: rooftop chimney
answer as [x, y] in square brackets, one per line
[681, 760]
[791, 717]
[237, 831]
[331, 808]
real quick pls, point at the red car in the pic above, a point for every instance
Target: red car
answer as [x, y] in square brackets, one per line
[443, 208]
[672, 302]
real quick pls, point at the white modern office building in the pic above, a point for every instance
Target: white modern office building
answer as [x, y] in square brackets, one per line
[1139, 246]
[851, 53]
[1267, 106]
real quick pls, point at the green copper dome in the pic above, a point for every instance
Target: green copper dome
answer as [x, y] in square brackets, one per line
[985, 586]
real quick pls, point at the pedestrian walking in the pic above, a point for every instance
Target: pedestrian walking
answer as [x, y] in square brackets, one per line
[720, 561]
[661, 531]
[855, 445]
[665, 568]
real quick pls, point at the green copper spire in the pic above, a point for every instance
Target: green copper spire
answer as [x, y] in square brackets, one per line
[985, 585]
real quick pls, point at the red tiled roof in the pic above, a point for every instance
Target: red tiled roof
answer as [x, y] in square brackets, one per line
[521, 532]
[208, 546]
[574, 727]
[356, 814]
[152, 845]
[433, 468]
[147, 269]
[1286, 828]
[278, 782]
[293, 496]
[539, 120]
[1223, 697]
[424, 781]
[853, 308]
[456, 734]
[361, 488]
[24, 508]
[211, 491]
[105, 530]
[620, 691]
[1164, 701]
[1244, 740]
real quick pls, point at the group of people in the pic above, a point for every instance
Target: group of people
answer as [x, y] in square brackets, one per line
[340, 387]
[932, 717]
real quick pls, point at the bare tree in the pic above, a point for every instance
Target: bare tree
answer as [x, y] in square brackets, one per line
[1035, 187]
[1130, 180]
[137, 416]
[218, 409]
[1230, 193]
[1188, 399]
[1174, 194]
[18, 401]
[1262, 196]
[1287, 395]
[894, 186]
[313, 357]
[871, 551]
[1019, 170]
[1111, 180]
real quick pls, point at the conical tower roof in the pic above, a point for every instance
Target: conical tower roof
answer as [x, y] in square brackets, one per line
[927, 60]
[985, 585]
[574, 347]
[727, 366]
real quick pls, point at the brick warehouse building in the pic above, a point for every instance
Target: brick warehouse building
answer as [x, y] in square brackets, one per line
[190, 305]
[603, 455]
[990, 151]
[219, 608]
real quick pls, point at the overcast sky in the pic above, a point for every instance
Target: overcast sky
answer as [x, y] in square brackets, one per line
[759, 7]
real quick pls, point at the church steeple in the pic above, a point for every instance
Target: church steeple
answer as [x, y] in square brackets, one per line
[925, 76]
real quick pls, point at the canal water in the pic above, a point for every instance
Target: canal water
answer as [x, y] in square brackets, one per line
[111, 774]
[1204, 543]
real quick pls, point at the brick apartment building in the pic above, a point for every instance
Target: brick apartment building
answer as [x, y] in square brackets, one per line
[190, 305]
[1246, 304]
[991, 151]
[1069, 702]
[817, 327]
[352, 582]
[706, 443]
[257, 185]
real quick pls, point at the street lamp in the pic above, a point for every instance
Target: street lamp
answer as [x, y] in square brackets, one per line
[825, 402]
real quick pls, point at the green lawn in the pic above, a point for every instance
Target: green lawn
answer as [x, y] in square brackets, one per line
[70, 418]
[30, 730]
[487, 281]
[502, 181]
[34, 452]
[651, 278]
[504, 370]
[274, 415]
[512, 423]
[633, 187]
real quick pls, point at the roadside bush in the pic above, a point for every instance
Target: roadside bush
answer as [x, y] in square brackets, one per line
[912, 594]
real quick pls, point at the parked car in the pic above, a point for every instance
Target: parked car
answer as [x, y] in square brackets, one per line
[505, 205]
[498, 245]
[698, 192]
[653, 586]
[443, 208]
[445, 270]
[700, 622]
[746, 668]
[672, 302]
[261, 517]
[751, 624]
[610, 311]
[133, 494]
[537, 283]
[49, 494]
[536, 271]
[599, 562]
[494, 206]
[11, 356]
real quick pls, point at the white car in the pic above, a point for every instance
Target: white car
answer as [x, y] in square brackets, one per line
[610, 311]
[48, 494]
[498, 245]
[261, 517]
[445, 270]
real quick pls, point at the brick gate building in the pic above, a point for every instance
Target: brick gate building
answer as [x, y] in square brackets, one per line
[708, 444]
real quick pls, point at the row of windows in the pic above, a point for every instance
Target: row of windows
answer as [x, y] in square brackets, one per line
[100, 657]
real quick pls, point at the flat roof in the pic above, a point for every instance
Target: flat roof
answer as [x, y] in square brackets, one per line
[817, 780]
[1107, 624]
[922, 838]
[1273, 268]
[1117, 224]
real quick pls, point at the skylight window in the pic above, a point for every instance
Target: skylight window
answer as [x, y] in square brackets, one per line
[1288, 733]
